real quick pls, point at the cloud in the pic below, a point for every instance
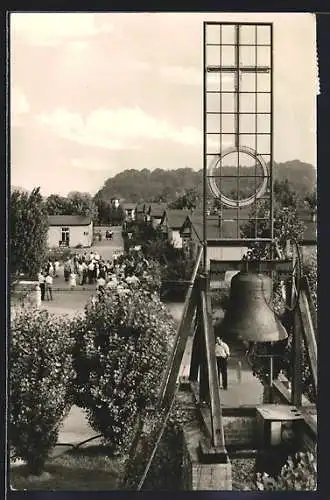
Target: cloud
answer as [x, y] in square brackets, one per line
[19, 105]
[50, 29]
[90, 164]
[117, 128]
[135, 65]
[78, 46]
[182, 75]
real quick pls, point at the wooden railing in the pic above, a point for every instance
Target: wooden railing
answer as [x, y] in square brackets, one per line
[218, 440]
[308, 321]
[180, 342]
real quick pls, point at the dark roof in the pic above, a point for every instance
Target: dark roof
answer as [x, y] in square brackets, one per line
[228, 229]
[175, 218]
[234, 213]
[68, 220]
[156, 209]
[140, 207]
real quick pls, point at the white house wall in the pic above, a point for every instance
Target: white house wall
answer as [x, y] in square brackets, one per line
[221, 253]
[225, 253]
[175, 238]
[77, 236]
[156, 221]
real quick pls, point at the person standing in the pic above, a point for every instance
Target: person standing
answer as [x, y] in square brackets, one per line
[51, 271]
[84, 273]
[37, 296]
[91, 272]
[41, 280]
[56, 267]
[49, 287]
[73, 280]
[222, 354]
[67, 270]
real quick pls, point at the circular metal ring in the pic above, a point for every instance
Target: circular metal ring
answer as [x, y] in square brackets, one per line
[229, 202]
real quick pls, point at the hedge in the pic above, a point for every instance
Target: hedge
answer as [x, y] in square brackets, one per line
[40, 376]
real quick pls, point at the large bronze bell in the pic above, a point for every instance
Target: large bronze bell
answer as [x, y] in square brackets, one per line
[249, 316]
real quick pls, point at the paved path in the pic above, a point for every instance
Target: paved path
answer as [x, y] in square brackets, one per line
[246, 391]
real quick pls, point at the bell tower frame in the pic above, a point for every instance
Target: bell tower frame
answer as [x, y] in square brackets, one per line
[241, 128]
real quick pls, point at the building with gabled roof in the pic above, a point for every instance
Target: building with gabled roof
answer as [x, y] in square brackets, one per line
[70, 231]
[129, 211]
[154, 212]
[222, 238]
[171, 224]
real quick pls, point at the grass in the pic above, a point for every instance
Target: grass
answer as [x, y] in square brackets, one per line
[89, 469]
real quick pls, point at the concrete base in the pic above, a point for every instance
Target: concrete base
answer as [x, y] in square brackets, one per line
[198, 475]
[212, 477]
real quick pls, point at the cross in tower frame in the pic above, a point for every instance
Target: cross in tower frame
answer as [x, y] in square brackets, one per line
[237, 70]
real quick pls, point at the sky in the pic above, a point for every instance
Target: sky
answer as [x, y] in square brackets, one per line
[93, 94]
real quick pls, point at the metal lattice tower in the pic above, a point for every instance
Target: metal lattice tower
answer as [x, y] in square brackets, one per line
[238, 127]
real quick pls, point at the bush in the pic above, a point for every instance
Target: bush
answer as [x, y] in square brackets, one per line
[148, 271]
[166, 469]
[60, 254]
[299, 474]
[121, 349]
[41, 372]
[310, 270]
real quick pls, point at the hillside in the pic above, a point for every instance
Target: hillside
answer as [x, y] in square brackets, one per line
[145, 185]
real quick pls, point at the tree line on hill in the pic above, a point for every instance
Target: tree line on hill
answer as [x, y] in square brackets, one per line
[167, 185]
[180, 188]
[294, 186]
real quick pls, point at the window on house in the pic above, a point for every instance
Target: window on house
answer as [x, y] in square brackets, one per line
[65, 234]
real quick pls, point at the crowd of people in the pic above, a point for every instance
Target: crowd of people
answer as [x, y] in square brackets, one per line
[90, 268]
[45, 280]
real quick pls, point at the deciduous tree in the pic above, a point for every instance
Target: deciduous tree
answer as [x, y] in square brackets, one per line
[28, 232]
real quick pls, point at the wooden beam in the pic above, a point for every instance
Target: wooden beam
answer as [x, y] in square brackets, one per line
[296, 383]
[308, 334]
[218, 439]
[172, 371]
[282, 267]
[204, 389]
[196, 349]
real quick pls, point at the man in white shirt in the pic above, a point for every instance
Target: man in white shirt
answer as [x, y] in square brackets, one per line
[222, 354]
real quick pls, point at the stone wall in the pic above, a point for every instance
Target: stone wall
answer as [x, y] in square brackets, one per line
[240, 428]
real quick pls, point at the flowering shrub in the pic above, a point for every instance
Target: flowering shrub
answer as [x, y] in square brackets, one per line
[299, 473]
[60, 254]
[40, 375]
[147, 271]
[310, 270]
[121, 349]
